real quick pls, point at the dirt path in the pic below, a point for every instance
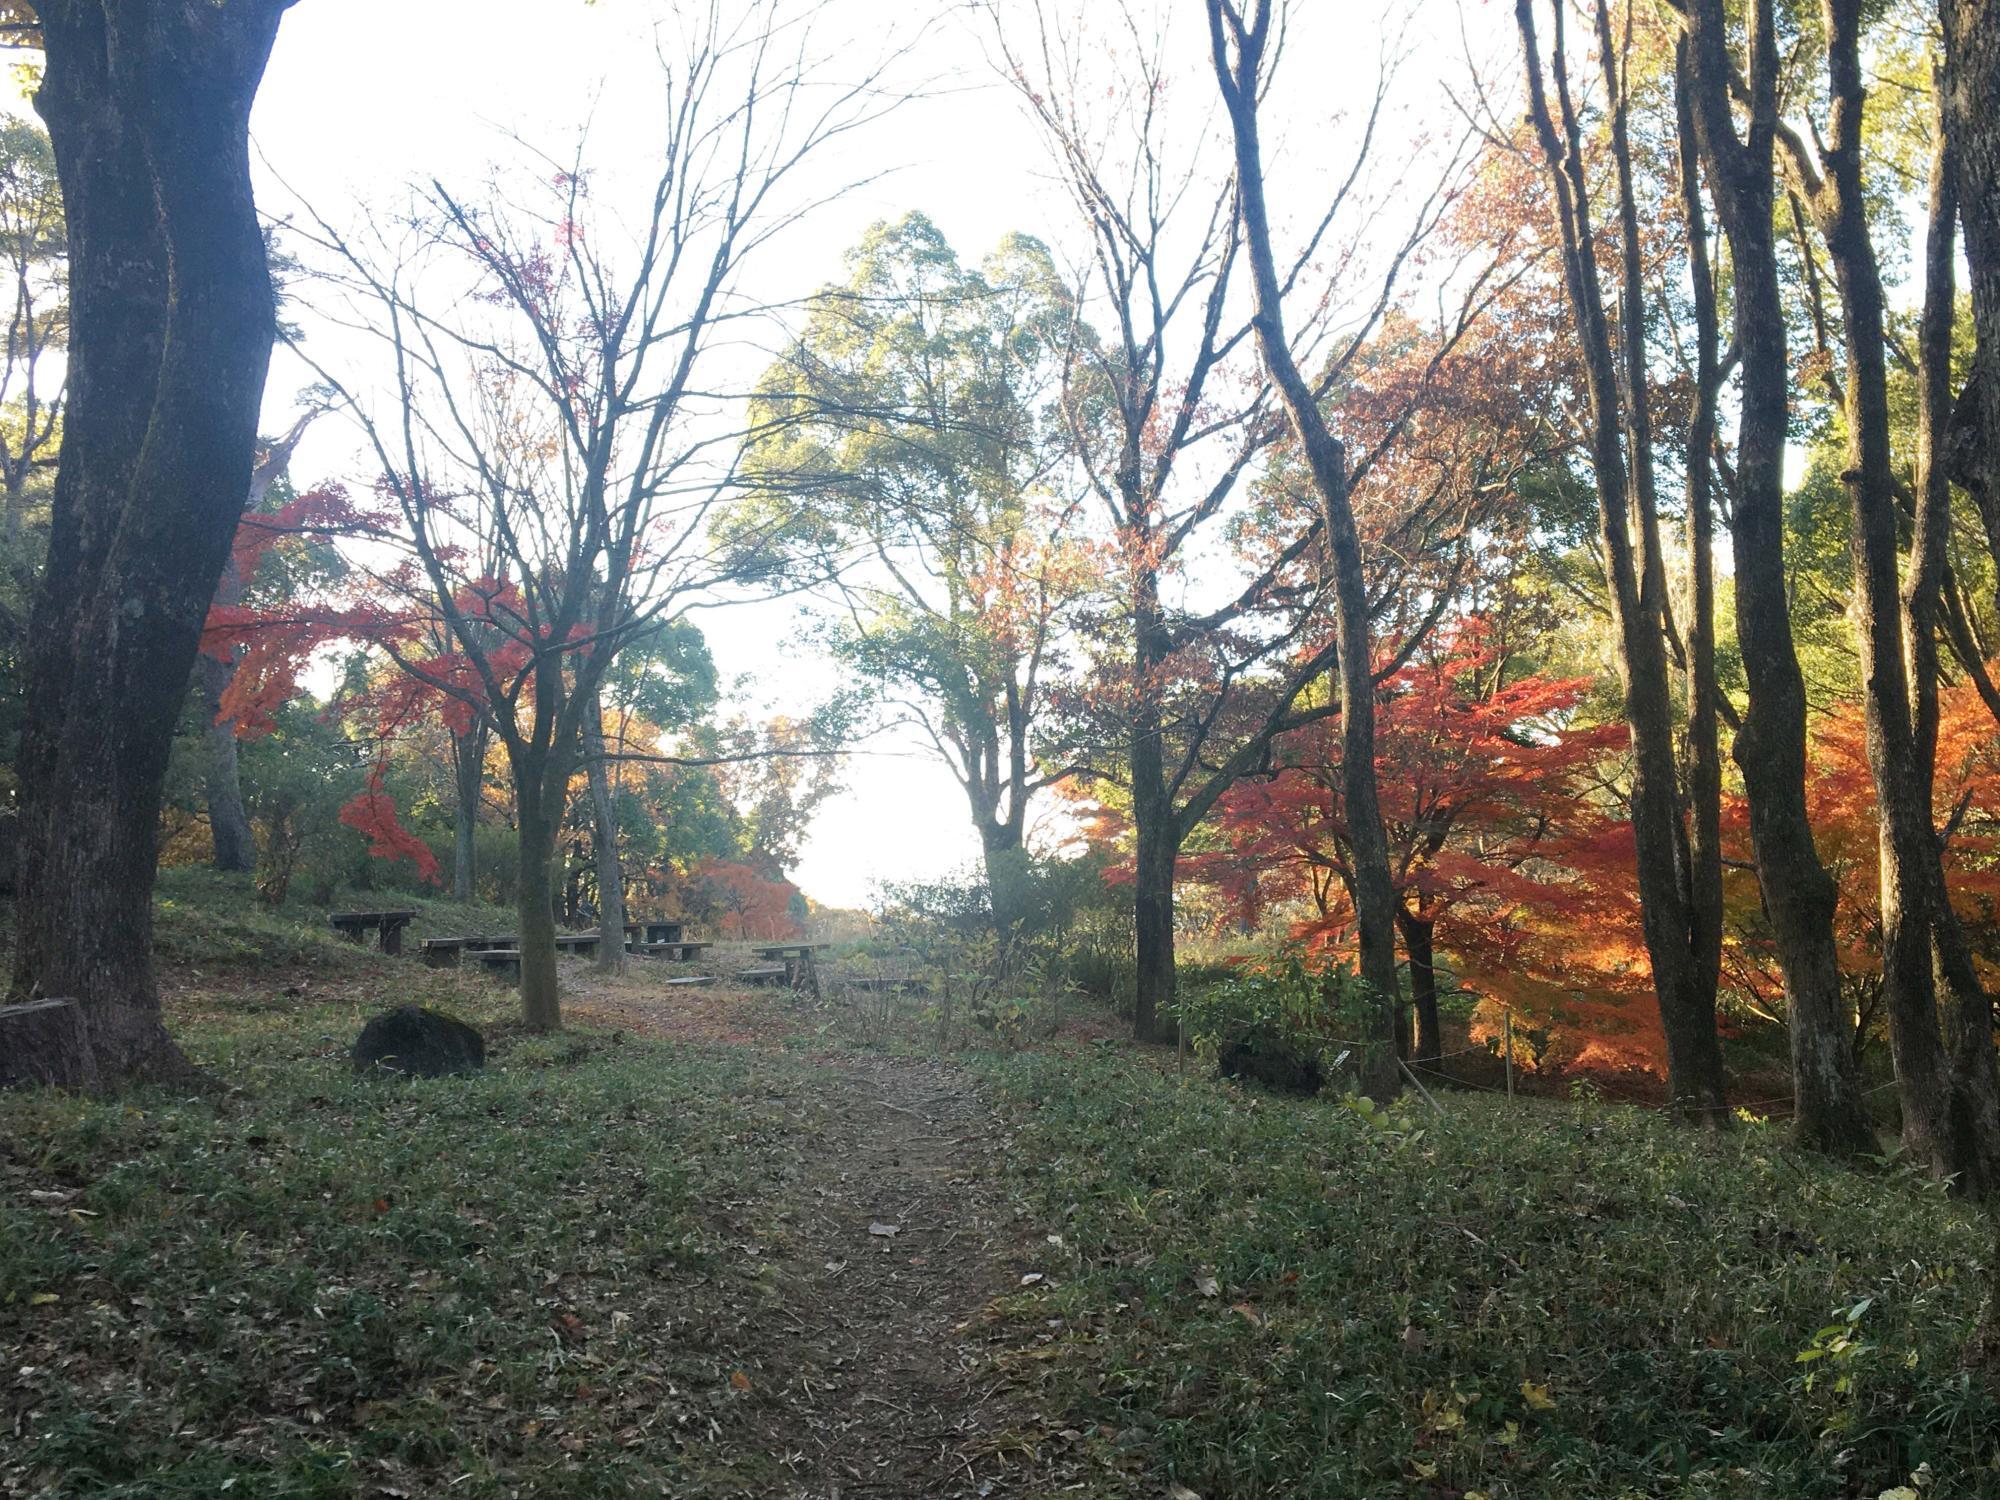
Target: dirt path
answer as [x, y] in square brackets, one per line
[872, 1363]
[901, 1238]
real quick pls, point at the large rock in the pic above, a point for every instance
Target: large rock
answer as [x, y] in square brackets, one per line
[1277, 1064]
[424, 1043]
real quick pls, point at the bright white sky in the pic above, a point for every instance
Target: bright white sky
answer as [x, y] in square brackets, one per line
[364, 96]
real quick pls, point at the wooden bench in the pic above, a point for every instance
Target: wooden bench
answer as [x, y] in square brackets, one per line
[442, 953]
[766, 974]
[505, 963]
[583, 944]
[694, 979]
[388, 925]
[678, 952]
[800, 960]
[637, 933]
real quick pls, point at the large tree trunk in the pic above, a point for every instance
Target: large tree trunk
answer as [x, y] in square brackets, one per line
[1770, 746]
[1369, 882]
[171, 329]
[604, 841]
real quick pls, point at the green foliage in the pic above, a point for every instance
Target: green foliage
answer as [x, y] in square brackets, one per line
[1319, 1012]
[1255, 1298]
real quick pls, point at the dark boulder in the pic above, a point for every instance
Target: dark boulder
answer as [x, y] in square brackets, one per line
[424, 1043]
[1277, 1064]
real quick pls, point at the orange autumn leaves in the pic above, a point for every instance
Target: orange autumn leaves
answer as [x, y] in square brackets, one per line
[1508, 835]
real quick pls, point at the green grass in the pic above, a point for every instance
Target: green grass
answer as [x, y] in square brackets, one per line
[312, 1285]
[1529, 1301]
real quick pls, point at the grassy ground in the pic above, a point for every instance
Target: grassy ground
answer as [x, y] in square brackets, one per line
[312, 1285]
[1268, 1298]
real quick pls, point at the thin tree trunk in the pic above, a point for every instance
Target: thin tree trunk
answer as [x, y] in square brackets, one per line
[1971, 84]
[1154, 825]
[468, 774]
[1370, 884]
[235, 848]
[1695, 1080]
[171, 329]
[1908, 841]
[1419, 935]
[1770, 746]
[604, 839]
[1704, 748]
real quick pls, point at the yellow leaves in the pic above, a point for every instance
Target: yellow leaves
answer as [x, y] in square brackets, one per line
[1537, 1396]
[43, 1299]
[739, 1382]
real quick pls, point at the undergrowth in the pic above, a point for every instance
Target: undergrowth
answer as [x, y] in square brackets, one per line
[1261, 1297]
[313, 1285]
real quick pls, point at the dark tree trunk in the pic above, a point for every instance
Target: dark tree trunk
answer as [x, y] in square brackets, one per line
[468, 774]
[1902, 782]
[535, 914]
[1636, 586]
[604, 841]
[235, 848]
[1770, 746]
[1418, 944]
[172, 321]
[1369, 882]
[1154, 825]
[1971, 84]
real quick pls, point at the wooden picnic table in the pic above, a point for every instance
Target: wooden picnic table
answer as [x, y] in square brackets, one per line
[653, 931]
[388, 925]
[800, 960]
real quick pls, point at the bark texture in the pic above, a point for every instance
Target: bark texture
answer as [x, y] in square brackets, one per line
[1770, 746]
[604, 842]
[172, 321]
[1635, 582]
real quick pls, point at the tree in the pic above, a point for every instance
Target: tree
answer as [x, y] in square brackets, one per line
[171, 325]
[34, 256]
[906, 453]
[1620, 445]
[1770, 745]
[1169, 426]
[1949, 1103]
[1487, 812]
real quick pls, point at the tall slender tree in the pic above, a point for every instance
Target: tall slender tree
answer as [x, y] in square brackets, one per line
[1620, 442]
[1770, 744]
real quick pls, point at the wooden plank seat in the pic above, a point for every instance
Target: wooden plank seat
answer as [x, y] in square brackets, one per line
[491, 940]
[504, 963]
[765, 974]
[679, 952]
[387, 925]
[581, 943]
[655, 931]
[789, 950]
[693, 979]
